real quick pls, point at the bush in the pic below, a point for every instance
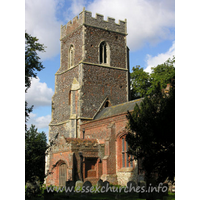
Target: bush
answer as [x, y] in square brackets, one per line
[32, 187]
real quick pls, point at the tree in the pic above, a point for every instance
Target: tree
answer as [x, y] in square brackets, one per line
[35, 142]
[32, 64]
[151, 126]
[139, 82]
[32, 60]
[162, 75]
[35, 147]
[142, 83]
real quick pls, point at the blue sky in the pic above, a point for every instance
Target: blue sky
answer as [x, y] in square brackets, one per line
[151, 39]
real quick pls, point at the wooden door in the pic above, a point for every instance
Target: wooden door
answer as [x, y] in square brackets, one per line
[62, 174]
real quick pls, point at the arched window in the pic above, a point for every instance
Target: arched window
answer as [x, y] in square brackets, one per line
[127, 160]
[104, 54]
[71, 56]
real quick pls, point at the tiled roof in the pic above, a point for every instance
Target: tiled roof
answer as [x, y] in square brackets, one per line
[117, 109]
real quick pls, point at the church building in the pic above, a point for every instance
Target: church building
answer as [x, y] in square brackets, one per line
[90, 104]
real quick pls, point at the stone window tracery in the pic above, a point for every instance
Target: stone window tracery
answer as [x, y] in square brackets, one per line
[104, 53]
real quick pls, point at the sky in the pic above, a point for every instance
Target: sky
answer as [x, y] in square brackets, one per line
[151, 39]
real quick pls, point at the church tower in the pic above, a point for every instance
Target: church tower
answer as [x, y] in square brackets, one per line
[93, 73]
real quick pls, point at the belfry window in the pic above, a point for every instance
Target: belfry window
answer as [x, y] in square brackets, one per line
[104, 53]
[71, 56]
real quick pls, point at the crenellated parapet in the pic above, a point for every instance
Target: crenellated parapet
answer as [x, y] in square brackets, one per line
[72, 25]
[85, 18]
[109, 24]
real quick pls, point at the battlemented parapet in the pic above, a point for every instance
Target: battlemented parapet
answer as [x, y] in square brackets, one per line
[85, 18]
[72, 25]
[110, 24]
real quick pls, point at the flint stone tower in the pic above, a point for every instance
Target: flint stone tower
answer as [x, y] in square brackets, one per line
[93, 73]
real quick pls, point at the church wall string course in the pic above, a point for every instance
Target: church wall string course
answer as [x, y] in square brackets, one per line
[90, 104]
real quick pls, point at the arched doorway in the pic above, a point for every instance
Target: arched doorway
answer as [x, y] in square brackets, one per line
[62, 174]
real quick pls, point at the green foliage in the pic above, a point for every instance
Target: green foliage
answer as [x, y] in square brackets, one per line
[162, 75]
[142, 83]
[139, 82]
[35, 142]
[32, 60]
[27, 111]
[35, 147]
[151, 125]
[32, 64]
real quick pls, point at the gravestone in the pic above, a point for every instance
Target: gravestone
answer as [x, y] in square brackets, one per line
[105, 184]
[142, 184]
[87, 185]
[99, 183]
[131, 185]
[79, 184]
[69, 187]
[70, 184]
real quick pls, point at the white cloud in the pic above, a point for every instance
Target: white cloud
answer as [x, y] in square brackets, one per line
[41, 22]
[40, 122]
[159, 59]
[77, 6]
[38, 94]
[148, 21]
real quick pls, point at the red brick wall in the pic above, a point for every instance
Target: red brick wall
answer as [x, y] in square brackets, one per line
[112, 128]
[91, 173]
[53, 179]
[98, 129]
[90, 165]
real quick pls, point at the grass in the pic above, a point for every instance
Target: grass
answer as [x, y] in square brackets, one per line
[101, 196]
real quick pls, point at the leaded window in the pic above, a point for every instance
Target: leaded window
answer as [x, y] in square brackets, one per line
[127, 160]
